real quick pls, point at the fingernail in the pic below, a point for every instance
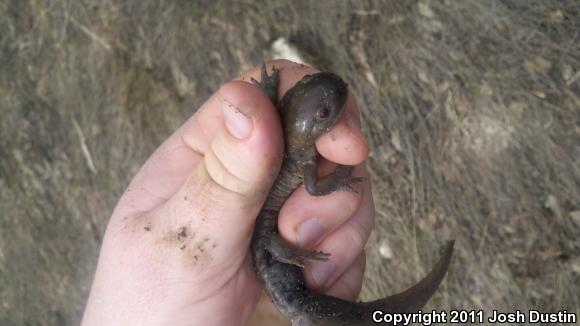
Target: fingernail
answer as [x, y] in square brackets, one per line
[238, 124]
[321, 272]
[309, 232]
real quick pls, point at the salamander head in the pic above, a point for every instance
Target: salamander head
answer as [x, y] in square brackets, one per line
[311, 108]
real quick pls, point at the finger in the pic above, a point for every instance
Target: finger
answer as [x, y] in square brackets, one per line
[306, 220]
[349, 284]
[344, 245]
[345, 142]
[167, 168]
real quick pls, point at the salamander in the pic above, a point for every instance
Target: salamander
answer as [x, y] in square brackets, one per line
[308, 110]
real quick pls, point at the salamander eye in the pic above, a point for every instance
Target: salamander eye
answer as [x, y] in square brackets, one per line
[323, 113]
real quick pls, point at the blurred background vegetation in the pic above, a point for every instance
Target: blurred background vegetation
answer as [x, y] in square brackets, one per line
[471, 108]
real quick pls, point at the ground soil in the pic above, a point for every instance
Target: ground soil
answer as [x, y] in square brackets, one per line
[471, 108]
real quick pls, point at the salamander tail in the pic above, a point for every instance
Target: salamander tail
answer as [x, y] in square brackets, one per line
[322, 310]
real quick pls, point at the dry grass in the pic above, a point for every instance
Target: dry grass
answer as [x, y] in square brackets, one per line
[472, 111]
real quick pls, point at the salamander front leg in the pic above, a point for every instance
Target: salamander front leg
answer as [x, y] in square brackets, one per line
[340, 179]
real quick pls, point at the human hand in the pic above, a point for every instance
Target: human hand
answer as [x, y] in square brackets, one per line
[176, 248]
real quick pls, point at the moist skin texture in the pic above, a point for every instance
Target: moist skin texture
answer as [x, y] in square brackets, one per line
[308, 110]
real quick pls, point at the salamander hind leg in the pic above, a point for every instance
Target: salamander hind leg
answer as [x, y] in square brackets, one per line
[269, 84]
[322, 310]
[286, 253]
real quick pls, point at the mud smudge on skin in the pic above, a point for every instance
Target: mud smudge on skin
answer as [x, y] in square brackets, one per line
[201, 252]
[196, 250]
[182, 234]
[179, 237]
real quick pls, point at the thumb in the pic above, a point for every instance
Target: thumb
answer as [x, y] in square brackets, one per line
[210, 218]
[207, 183]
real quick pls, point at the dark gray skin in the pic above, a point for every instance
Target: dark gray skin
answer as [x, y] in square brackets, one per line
[308, 110]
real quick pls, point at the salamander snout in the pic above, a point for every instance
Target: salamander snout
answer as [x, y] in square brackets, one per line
[312, 107]
[328, 98]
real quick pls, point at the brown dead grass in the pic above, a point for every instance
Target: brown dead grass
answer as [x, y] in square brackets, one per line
[471, 109]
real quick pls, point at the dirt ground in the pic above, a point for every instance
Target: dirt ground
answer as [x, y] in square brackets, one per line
[471, 108]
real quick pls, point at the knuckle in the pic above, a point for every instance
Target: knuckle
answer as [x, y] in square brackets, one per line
[358, 235]
[221, 175]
